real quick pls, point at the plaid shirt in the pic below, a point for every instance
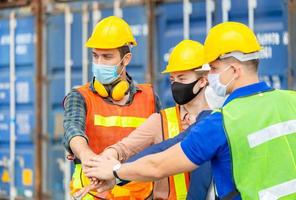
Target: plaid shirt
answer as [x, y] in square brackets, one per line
[75, 112]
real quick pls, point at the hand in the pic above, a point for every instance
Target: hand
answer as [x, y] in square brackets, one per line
[101, 186]
[110, 153]
[70, 157]
[100, 168]
[84, 157]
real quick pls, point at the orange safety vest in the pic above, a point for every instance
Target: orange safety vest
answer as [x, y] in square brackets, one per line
[106, 124]
[171, 126]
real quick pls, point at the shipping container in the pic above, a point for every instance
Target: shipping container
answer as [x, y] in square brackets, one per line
[270, 26]
[64, 36]
[24, 120]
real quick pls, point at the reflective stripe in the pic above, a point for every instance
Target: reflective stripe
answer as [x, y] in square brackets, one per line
[172, 120]
[272, 132]
[278, 191]
[180, 186]
[118, 121]
[173, 130]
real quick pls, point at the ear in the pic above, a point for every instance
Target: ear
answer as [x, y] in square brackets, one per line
[238, 71]
[127, 59]
[203, 82]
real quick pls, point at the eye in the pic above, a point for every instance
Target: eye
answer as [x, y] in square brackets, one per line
[108, 56]
[95, 56]
[182, 79]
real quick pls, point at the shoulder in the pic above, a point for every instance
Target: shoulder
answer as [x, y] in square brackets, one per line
[205, 139]
[73, 96]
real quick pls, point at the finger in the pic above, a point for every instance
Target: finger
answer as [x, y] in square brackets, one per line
[95, 181]
[108, 185]
[85, 191]
[92, 174]
[97, 159]
[80, 192]
[70, 157]
[91, 163]
[86, 171]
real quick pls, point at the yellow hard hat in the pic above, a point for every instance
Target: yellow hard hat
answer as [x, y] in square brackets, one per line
[230, 37]
[111, 32]
[187, 55]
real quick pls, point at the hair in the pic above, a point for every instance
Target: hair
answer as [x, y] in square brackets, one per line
[123, 50]
[251, 65]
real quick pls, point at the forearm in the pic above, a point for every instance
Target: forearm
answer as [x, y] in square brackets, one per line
[79, 146]
[157, 166]
[139, 139]
[74, 118]
[157, 148]
[144, 169]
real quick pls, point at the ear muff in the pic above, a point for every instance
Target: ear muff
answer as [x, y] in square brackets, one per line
[100, 89]
[119, 90]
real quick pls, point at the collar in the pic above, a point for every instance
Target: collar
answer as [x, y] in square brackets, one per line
[248, 90]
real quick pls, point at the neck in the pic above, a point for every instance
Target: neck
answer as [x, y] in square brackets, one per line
[198, 104]
[245, 82]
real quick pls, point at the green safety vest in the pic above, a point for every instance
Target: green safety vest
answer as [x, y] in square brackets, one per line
[261, 133]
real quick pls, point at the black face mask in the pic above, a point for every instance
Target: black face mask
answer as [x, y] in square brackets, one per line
[183, 93]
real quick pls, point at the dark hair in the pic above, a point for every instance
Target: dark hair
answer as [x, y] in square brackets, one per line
[253, 64]
[124, 50]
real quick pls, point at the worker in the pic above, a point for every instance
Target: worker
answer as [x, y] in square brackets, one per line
[250, 141]
[189, 85]
[108, 108]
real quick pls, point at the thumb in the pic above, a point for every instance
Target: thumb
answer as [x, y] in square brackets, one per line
[105, 186]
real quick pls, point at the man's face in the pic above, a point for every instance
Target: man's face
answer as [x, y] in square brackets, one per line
[106, 56]
[224, 69]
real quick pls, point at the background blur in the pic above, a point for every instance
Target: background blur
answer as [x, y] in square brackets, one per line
[42, 56]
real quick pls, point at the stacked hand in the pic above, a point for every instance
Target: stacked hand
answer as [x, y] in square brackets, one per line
[99, 169]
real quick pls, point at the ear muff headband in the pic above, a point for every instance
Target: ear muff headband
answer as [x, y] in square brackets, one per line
[118, 89]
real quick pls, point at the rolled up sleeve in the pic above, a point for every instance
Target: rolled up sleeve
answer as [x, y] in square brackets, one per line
[74, 118]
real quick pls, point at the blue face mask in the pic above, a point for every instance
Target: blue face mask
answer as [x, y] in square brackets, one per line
[105, 74]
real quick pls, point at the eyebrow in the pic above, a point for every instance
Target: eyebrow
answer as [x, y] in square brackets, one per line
[103, 54]
[180, 76]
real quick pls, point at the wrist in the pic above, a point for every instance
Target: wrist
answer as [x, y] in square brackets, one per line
[118, 180]
[86, 154]
[111, 152]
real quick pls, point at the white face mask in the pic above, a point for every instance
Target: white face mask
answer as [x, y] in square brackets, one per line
[218, 87]
[214, 101]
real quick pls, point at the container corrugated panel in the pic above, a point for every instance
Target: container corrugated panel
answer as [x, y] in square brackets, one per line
[4, 177]
[54, 172]
[170, 33]
[25, 103]
[56, 77]
[270, 26]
